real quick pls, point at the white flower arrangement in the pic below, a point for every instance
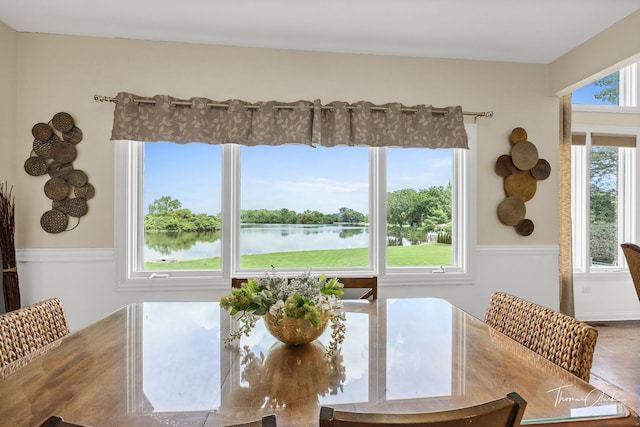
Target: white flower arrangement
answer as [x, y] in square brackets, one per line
[305, 296]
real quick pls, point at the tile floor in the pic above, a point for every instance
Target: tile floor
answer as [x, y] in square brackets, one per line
[616, 361]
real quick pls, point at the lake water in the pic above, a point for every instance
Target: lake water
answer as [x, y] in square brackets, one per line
[266, 238]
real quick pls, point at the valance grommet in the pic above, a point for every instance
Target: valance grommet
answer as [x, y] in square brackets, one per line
[274, 123]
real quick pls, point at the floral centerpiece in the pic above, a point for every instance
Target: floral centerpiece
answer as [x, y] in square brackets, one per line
[296, 310]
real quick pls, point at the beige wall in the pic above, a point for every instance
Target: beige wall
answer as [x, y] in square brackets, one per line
[608, 51]
[41, 75]
[62, 73]
[8, 40]
[606, 119]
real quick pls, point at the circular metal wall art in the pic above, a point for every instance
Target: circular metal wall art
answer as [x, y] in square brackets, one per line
[63, 152]
[517, 135]
[524, 155]
[43, 147]
[75, 207]
[521, 171]
[511, 211]
[56, 189]
[57, 169]
[74, 136]
[524, 227]
[77, 178]
[520, 184]
[541, 170]
[62, 122]
[69, 189]
[85, 192]
[504, 165]
[35, 166]
[54, 221]
[41, 131]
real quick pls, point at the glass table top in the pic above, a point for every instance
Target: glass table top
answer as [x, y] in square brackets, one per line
[158, 363]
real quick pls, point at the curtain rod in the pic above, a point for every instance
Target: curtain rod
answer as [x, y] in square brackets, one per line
[101, 98]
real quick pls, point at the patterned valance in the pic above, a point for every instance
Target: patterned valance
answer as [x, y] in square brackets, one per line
[163, 118]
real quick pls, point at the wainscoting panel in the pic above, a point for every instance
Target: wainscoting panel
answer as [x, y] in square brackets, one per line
[84, 279]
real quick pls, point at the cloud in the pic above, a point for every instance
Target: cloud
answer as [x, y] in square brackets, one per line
[307, 193]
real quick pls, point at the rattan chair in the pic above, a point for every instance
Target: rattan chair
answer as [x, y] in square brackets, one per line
[562, 339]
[27, 329]
[354, 287]
[504, 412]
[632, 255]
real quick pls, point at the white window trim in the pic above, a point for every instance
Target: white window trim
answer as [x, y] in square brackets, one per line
[128, 226]
[629, 161]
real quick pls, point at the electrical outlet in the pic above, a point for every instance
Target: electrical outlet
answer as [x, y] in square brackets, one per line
[586, 289]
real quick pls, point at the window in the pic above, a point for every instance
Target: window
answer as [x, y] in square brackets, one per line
[312, 203]
[239, 210]
[617, 91]
[419, 202]
[183, 179]
[604, 163]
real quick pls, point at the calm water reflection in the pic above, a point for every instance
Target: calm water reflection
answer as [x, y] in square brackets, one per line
[257, 239]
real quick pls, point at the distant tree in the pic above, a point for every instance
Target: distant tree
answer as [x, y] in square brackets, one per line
[604, 166]
[609, 92]
[400, 206]
[603, 205]
[164, 204]
[166, 214]
[350, 216]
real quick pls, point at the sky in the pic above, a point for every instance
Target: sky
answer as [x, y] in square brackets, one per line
[295, 177]
[585, 95]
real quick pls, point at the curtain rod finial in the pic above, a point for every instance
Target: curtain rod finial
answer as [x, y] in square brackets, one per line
[102, 98]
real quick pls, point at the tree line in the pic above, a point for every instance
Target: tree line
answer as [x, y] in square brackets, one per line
[287, 216]
[428, 209]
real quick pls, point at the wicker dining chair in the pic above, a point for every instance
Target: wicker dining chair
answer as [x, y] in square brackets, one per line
[27, 329]
[503, 412]
[632, 255]
[562, 339]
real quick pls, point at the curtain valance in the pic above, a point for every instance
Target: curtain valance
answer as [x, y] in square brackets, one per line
[164, 118]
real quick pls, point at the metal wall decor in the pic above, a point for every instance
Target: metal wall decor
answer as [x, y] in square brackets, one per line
[54, 150]
[521, 170]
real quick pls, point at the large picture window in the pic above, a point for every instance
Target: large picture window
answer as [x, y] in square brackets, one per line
[196, 214]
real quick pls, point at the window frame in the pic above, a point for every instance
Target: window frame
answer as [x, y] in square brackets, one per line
[627, 194]
[129, 213]
[628, 94]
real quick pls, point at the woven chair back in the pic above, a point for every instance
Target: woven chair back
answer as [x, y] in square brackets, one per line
[27, 329]
[632, 255]
[562, 339]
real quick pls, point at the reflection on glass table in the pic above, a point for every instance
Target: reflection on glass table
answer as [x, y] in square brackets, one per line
[158, 364]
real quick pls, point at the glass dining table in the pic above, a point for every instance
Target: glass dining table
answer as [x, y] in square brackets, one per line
[167, 364]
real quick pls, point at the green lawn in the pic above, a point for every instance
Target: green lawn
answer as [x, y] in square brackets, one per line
[398, 256]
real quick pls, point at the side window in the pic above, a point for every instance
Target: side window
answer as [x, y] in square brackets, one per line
[617, 91]
[182, 205]
[604, 163]
[419, 207]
